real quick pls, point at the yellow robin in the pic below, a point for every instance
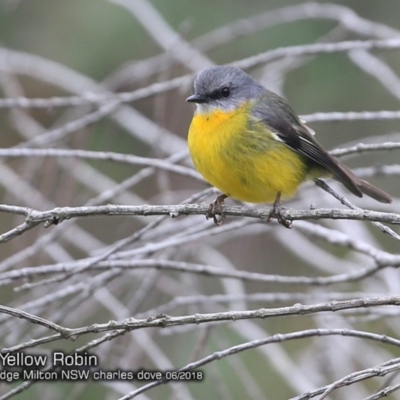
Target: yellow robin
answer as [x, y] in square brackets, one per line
[249, 143]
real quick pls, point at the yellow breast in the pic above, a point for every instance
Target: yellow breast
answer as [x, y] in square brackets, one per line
[242, 158]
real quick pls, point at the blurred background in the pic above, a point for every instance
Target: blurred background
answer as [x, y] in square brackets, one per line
[85, 50]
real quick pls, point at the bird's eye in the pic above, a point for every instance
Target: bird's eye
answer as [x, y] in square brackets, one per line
[225, 91]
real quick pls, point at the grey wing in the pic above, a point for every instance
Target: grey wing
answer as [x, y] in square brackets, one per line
[277, 114]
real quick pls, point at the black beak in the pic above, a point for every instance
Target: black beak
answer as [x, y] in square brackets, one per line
[197, 98]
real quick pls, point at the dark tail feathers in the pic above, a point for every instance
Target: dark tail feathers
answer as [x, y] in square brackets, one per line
[374, 192]
[358, 186]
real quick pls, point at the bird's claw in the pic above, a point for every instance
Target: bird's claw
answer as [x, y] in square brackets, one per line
[276, 210]
[216, 208]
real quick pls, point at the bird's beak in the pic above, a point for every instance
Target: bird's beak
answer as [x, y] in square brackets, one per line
[196, 98]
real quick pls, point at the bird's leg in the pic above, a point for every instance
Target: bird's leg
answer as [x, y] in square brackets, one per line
[277, 210]
[216, 207]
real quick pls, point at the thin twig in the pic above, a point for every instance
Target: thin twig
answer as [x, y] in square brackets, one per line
[59, 214]
[323, 185]
[382, 260]
[157, 88]
[34, 319]
[272, 339]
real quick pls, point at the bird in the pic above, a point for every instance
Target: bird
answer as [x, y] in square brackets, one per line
[249, 143]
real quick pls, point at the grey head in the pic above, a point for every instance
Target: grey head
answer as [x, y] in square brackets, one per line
[224, 87]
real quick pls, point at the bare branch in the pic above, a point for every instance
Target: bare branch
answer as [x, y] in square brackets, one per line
[384, 392]
[347, 203]
[164, 321]
[382, 260]
[379, 370]
[365, 148]
[394, 364]
[310, 10]
[34, 319]
[158, 88]
[352, 116]
[105, 156]
[164, 35]
[60, 214]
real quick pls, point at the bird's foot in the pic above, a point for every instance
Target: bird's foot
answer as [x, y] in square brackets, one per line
[276, 210]
[215, 208]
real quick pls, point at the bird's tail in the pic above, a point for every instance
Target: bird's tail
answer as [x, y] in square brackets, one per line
[359, 186]
[374, 192]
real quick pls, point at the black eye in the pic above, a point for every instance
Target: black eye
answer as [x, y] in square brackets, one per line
[225, 91]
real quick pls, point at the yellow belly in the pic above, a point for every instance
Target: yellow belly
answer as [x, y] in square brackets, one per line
[245, 164]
